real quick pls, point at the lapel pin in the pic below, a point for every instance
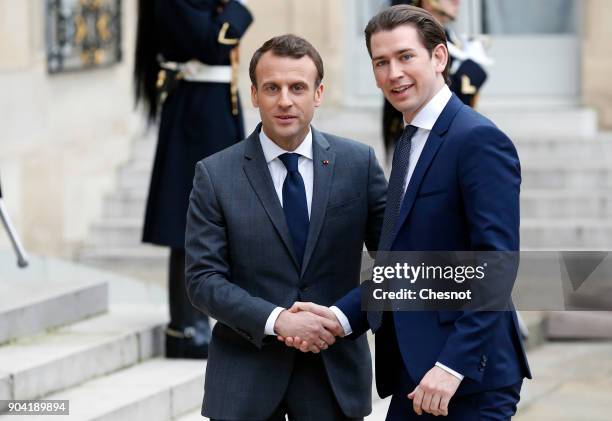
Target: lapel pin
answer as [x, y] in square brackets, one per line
[325, 162]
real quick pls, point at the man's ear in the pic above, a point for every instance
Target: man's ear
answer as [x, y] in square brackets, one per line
[440, 56]
[254, 100]
[318, 94]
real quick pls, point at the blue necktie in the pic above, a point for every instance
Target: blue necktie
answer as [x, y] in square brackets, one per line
[295, 205]
[395, 193]
[395, 196]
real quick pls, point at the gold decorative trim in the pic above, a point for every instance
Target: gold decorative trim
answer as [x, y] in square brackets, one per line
[222, 39]
[466, 86]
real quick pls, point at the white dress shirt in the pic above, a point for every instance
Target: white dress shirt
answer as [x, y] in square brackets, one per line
[278, 172]
[424, 121]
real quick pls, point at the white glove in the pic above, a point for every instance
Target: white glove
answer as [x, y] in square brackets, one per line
[475, 50]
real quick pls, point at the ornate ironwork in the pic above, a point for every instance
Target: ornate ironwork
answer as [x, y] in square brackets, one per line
[83, 34]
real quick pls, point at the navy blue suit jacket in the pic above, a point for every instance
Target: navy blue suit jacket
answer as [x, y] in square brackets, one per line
[463, 195]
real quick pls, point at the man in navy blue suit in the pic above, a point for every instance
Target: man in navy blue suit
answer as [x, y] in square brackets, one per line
[454, 185]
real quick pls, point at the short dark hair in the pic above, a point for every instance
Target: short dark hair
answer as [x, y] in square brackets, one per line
[288, 45]
[431, 32]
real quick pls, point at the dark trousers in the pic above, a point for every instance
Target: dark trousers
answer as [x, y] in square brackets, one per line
[309, 396]
[492, 405]
[188, 332]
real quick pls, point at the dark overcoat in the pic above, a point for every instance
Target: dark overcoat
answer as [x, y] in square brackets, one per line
[196, 118]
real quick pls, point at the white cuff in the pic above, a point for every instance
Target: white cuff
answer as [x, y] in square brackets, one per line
[449, 370]
[269, 329]
[343, 320]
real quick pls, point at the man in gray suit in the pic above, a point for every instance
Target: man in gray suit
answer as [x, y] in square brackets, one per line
[278, 218]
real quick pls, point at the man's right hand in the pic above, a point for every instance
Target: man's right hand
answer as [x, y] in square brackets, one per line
[303, 344]
[314, 331]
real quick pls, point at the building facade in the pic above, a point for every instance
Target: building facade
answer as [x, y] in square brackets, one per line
[63, 135]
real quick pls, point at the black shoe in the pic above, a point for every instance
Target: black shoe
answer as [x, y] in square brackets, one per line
[186, 344]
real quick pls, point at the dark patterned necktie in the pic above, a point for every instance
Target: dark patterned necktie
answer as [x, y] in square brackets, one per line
[295, 206]
[395, 193]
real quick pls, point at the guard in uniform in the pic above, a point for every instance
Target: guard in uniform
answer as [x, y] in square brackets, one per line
[468, 62]
[185, 75]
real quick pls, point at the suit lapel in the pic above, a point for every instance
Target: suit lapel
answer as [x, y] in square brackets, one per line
[258, 174]
[432, 145]
[323, 170]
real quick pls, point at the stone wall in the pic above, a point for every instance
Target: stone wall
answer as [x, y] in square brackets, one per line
[62, 136]
[597, 59]
[319, 21]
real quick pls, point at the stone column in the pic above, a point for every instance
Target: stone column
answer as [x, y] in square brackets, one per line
[597, 59]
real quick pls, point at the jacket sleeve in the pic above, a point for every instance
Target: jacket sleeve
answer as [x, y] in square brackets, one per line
[490, 177]
[208, 272]
[200, 30]
[350, 306]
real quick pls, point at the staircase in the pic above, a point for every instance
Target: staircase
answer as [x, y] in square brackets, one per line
[60, 339]
[566, 200]
[114, 242]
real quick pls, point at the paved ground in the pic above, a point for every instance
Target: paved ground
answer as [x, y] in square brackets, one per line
[572, 382]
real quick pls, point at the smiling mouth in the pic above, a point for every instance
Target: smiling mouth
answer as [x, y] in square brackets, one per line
[401, 89]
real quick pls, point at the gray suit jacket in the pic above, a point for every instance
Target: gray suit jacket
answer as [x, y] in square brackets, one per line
[240, 265]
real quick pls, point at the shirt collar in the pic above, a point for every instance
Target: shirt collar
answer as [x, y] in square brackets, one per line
[272, 151]
[426, 118]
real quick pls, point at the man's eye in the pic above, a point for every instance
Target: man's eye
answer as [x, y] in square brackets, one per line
[406, 57]
[271, 88]
[298, 88]
[380, 63]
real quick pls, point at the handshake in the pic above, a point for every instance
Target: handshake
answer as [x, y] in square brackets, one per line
[308, 327]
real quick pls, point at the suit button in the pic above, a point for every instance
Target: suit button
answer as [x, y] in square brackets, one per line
[481, 368]
[303, 288]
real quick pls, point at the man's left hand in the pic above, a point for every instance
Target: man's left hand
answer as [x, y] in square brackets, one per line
[434, 392]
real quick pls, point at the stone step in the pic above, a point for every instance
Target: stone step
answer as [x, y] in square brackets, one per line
[566, 203]
[566, 234]
[156, 390]
[556, 177]
[144, 262]
[30, 306]
[193, 416]
[579, 325]
[38, 365]
[561, 122]
[117, 232]
[138, 169]
[534, 154]
[116, 206]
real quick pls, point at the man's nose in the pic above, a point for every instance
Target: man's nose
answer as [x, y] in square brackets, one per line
[285, 100]
[395, 70]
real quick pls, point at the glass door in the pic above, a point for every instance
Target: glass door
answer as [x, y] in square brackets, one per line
[535, 45]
